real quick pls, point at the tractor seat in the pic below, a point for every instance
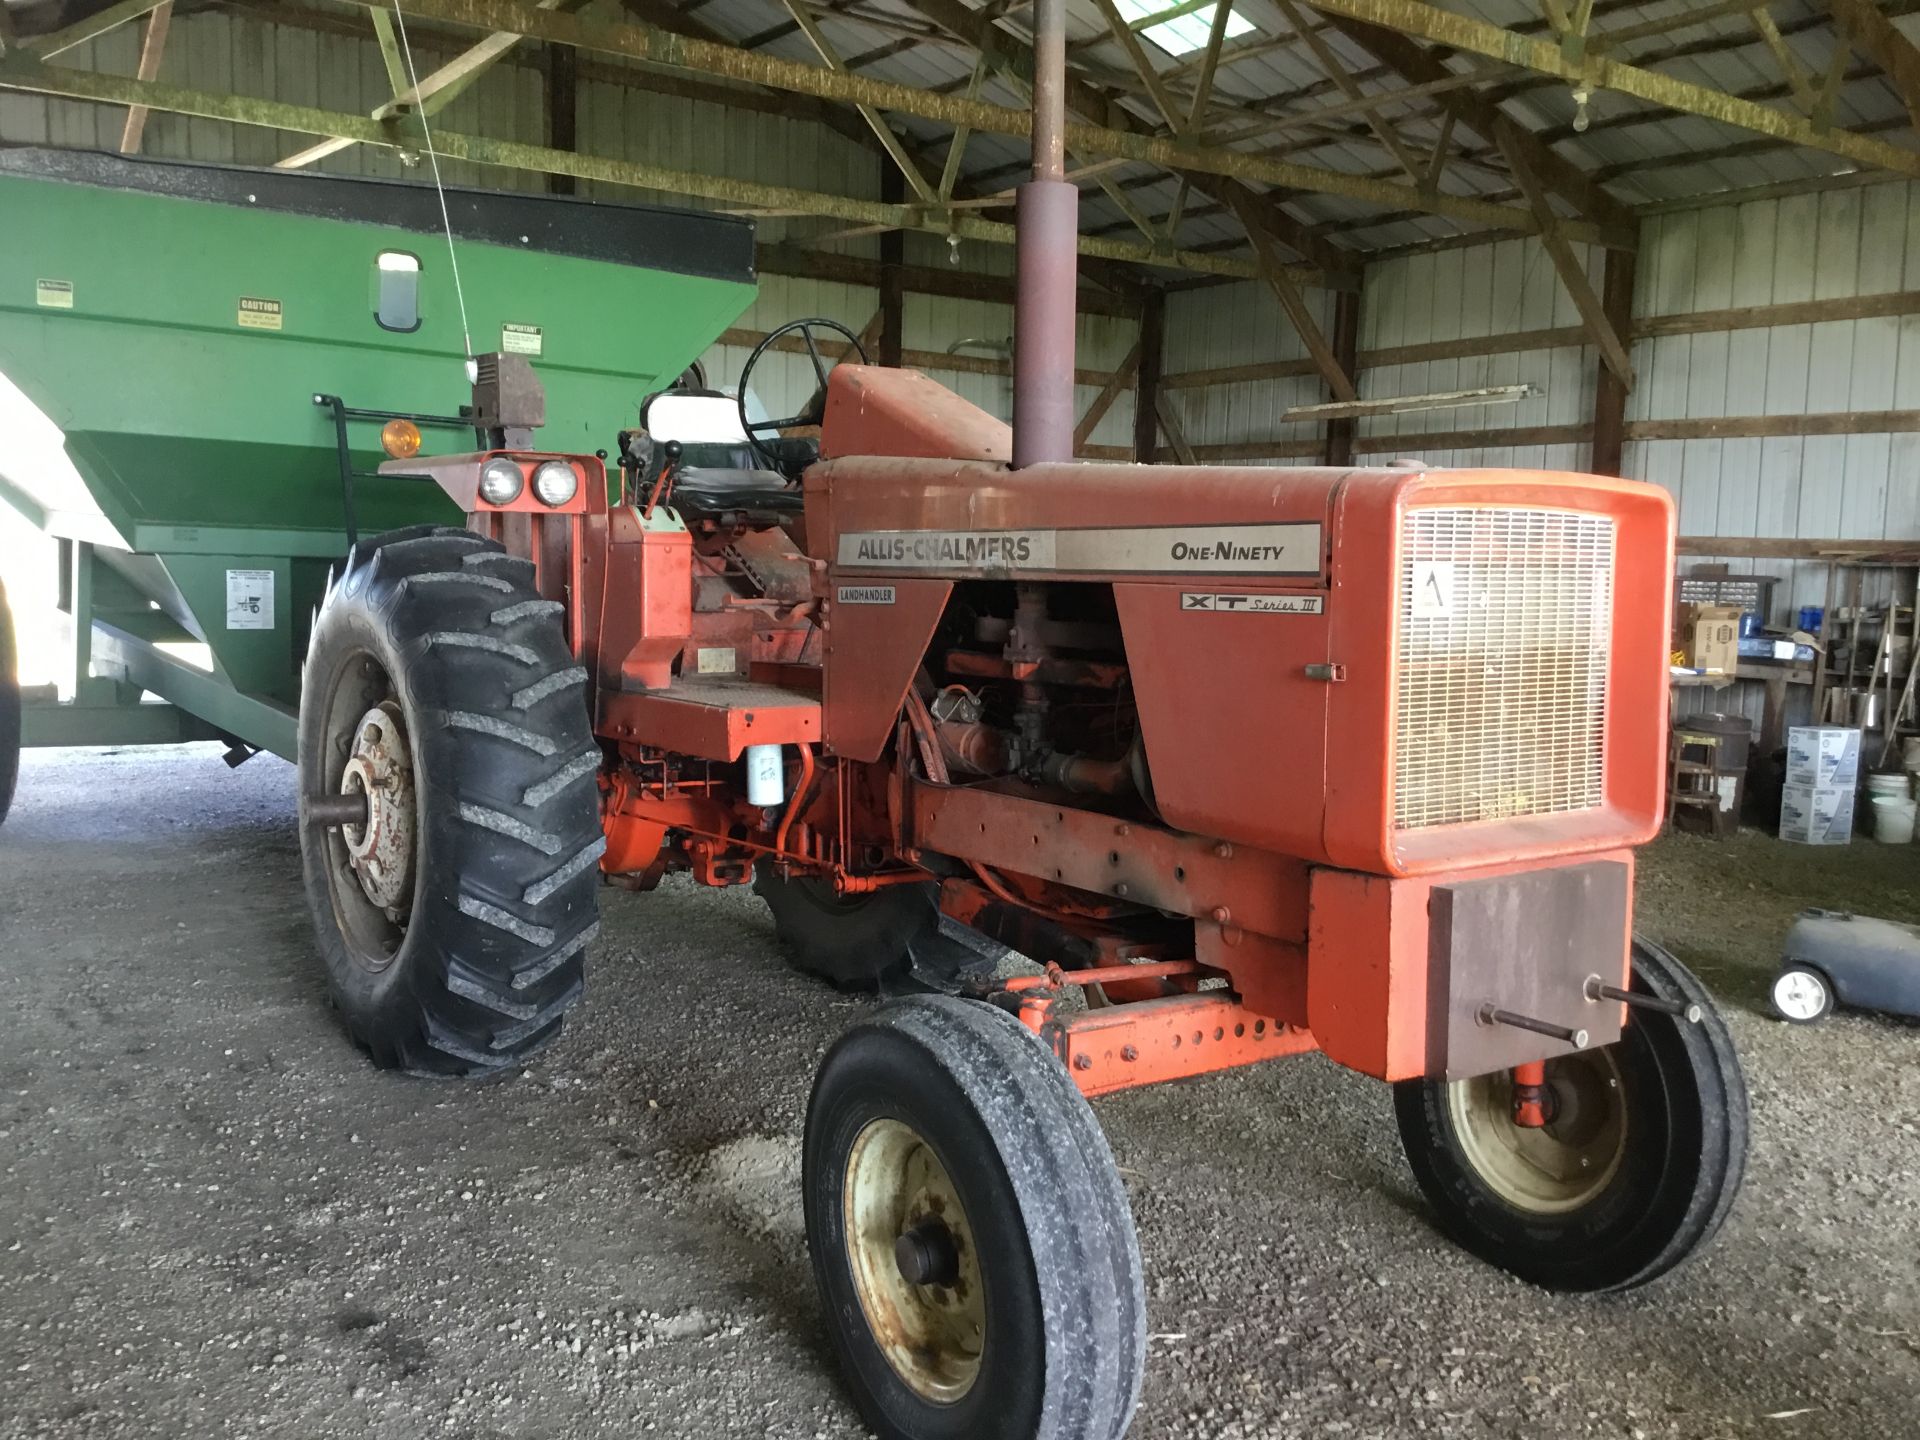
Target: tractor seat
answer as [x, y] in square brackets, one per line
[761, 496]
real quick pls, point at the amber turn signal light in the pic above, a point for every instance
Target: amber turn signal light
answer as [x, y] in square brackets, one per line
[400, 439]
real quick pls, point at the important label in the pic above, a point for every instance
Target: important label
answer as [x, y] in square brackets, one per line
[716, 660]
[257, 314]
[1292, 549]
[250, 599]
[521, 339]
[1432, 589]
[866, 595]
[54, 294]
[1254, 604]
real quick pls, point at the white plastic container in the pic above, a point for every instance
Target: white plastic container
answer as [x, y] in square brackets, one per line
[1817, 814]
[1894, 787]
[1893, 820]
[766, 776]
[1823, 755]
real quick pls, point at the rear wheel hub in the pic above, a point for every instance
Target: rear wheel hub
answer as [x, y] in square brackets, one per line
[380, 768]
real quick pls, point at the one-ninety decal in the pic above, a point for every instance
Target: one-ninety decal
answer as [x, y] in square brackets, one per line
[1292, 549]
[1254, 604]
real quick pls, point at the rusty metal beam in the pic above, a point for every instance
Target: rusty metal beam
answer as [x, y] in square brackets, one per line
[1459, 32]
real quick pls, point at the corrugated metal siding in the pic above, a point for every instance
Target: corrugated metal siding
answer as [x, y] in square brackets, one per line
[1499, 289]
[1240, 324]
[1830, 245]
[1808, 247]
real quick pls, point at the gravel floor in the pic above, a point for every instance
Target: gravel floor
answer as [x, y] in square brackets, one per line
[216, 1218]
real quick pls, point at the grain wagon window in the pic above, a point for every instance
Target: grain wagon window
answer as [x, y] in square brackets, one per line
[396, 303]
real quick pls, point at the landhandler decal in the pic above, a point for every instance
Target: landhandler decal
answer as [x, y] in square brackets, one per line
[1292, 549]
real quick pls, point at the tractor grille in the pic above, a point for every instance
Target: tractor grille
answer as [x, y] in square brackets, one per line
[1505, 620]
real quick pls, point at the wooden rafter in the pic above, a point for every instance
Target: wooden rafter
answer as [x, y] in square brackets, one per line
[1009, 57]
[434, 91]
[1337, 72]
[99, 23]
[1415, 63]
[882, 131]
[152, 46]
[1877, 37]
[1460, 32]
[1291, 301]
[1573, 274]
[1104, 401]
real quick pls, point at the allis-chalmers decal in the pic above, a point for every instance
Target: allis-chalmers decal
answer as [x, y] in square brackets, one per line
[1186, 549]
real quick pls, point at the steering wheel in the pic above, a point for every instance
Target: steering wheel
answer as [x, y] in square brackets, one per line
[816, 410]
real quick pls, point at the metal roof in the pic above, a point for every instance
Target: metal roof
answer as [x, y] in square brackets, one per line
[1640, 154]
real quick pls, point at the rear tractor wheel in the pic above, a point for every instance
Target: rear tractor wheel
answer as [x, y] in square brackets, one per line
[9, 708]
[970, 1236]
[1638, 1163]
[449, 821]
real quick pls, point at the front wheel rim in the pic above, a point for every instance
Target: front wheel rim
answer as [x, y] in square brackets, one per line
[915, 1263]
[1558, 1167]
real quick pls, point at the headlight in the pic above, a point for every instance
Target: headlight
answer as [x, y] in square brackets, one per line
[500, 481]
[555, 483]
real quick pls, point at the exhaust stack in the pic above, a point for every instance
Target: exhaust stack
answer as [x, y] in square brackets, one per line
[1047, 224]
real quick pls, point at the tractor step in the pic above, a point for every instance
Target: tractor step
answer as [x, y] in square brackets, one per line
[712, 717]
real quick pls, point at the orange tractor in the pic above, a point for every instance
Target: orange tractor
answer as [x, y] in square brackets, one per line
[1254, 761]
[1263, 761]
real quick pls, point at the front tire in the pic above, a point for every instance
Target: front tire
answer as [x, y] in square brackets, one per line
[970, 1236]
[454, 919]
[9, 708]
[1635, 1172]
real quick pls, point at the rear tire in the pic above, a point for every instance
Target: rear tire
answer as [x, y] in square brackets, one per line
[9, 708]
[454, 922]
[946, 1125]
[852, 942]
[1636, 1172]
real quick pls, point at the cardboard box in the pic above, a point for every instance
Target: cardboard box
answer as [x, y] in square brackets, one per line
[1823, 756]
[1817, 814]
[1708, 637]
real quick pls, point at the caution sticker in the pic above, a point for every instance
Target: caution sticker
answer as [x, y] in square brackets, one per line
[258, 314]
[1253, 604]
[54, 294]
[250, 599]
[521, 339]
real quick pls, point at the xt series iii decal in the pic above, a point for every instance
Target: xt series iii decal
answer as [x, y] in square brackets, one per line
[1292, 549]
[1254, 604]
